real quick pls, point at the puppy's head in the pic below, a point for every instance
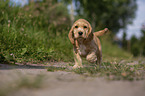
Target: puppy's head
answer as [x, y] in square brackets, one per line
[81, 29]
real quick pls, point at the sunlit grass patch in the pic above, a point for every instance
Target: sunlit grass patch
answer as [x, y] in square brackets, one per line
[109, 70]
[115, 71]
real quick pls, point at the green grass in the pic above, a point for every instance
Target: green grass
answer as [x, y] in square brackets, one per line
[25, 37]
[109, 70]
[111, 51]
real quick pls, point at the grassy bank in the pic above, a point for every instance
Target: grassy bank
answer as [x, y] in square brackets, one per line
[25, 37]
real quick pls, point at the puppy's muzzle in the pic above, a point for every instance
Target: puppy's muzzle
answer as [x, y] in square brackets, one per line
[80, 33]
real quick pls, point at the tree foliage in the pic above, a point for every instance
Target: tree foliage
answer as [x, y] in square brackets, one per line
[138, 44]
[124, 41]
[142, 40]
[114, 14]
[135, 49]
[50, 12]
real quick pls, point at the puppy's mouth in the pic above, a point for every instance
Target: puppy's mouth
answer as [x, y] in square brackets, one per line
[81, 38]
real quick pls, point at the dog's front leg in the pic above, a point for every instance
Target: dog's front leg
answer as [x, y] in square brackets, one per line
[78, 60]
[92, 57]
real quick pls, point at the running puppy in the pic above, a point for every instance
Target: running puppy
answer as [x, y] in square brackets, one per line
[85, 43]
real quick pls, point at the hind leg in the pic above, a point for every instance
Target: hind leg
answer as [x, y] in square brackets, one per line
[99, 56]
[99, 52]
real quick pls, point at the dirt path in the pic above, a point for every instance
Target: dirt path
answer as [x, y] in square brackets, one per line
[35, 80]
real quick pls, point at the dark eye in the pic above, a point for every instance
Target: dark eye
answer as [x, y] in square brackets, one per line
[85, 26]
[76, 26]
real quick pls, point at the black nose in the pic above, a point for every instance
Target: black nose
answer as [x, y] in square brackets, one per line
[80, 33]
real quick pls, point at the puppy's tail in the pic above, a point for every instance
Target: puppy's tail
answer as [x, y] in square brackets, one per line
[101, 33]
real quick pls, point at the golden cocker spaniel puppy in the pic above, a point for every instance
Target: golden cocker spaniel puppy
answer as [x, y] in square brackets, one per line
[85, 42]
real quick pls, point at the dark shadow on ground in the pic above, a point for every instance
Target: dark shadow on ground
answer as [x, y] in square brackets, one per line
[21, 66]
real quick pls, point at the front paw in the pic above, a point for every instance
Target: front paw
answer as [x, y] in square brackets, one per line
[77, 66]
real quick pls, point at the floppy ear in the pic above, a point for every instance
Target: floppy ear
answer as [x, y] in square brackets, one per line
[71, 37]
[89, 34]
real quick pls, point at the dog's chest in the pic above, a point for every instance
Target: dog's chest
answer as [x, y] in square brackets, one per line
[82, 50]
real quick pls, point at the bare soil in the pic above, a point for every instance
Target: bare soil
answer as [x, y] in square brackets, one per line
[61, 83]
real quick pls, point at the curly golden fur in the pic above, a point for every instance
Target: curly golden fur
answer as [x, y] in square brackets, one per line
[85, 42]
